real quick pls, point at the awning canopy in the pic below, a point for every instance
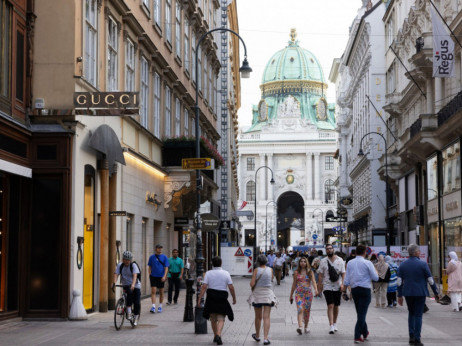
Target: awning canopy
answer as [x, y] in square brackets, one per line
[105, 141]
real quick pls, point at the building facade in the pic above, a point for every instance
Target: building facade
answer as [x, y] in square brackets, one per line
[361, 83]
[81, 183]
[292, 140]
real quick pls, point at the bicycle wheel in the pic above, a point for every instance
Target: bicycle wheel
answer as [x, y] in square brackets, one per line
[119, 314]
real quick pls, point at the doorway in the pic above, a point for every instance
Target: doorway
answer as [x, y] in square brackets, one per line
[89, 239]
[291, 219]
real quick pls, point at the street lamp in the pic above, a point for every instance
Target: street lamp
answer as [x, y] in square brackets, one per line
[200, 323]
[255, 207]
[266, 226]
[322, 221]
[361, 153]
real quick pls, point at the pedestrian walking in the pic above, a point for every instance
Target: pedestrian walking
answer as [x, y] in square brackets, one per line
[175, 274]
[454, 271]
[158, 270]
[392, 283]
[413, 278]
[304, 287]
[277, 267]
[216, 283]
[271, 258]
[262, 298]
[381, 287]
[360, 272]
[128, 272]
[295, 260]
[330, 281]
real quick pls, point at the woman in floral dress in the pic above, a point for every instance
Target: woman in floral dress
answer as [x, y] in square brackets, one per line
[304, 286]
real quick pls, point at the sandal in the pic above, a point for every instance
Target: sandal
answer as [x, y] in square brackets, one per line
[254, 336]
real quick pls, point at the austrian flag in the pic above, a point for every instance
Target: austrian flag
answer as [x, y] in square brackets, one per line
[243, 205]
[443, 49]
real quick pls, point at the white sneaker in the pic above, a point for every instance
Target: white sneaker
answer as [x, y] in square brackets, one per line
[136, 317]
[332, 329]
[335, 327]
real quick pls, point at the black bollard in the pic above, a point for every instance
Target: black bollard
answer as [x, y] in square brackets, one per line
[200, 325]
[188, 307]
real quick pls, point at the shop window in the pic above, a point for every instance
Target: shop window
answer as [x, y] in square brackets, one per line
[451, 168]
[453, 238]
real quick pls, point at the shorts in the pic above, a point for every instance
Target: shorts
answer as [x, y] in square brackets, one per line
[217, 317]
[333, 297]
[259, 305]
[156, 282]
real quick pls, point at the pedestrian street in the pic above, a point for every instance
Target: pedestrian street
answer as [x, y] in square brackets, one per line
[386, 326]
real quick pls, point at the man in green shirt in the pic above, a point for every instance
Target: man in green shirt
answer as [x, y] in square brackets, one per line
[175, 273]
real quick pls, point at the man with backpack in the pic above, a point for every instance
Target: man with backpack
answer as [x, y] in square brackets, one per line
[331, 273]
[175, 273]
[158, 268]
[131, 281]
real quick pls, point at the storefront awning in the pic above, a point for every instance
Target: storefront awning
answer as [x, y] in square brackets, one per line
[105, 141]
[13, 168]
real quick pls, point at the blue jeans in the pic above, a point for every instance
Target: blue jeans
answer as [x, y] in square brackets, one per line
[362, 299]
[415, 306]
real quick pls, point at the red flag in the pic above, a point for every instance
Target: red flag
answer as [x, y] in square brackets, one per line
[243, 205]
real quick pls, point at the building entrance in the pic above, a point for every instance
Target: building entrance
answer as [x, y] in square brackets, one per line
[291, 220]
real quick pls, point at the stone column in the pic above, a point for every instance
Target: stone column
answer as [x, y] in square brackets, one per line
[309, 176]
[317, 180]
[438, 94]
[270, 196]
[430, 103]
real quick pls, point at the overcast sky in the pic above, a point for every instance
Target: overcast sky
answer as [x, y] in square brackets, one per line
[322, 28]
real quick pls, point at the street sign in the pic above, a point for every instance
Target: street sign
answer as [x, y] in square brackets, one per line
[198, 163]
[247, 252]
[209, 222]
[244, 213]
[315, 236]
[181, 221]
[239, 253]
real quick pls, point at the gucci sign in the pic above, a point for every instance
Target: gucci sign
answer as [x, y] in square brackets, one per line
[106, 100]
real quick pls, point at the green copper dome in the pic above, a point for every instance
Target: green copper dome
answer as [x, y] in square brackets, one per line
[293, 90]
[293, 63]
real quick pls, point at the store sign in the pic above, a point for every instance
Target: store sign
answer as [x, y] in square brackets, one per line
[105, 100]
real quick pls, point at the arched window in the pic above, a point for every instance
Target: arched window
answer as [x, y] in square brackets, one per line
[250, 191]
[329, 216]
[329, 191]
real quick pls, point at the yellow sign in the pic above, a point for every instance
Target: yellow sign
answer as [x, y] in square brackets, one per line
[202, 163]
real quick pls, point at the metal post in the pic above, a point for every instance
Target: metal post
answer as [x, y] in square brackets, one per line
[200, 322]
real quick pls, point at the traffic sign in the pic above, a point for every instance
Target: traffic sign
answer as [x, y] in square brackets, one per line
[315, 236]
[239, 253]
[198, 163]
[247, 252]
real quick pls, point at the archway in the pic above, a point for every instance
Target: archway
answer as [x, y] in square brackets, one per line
[291, 220]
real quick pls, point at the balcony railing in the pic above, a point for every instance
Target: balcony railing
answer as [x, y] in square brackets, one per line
[416, 127]
[450, 109]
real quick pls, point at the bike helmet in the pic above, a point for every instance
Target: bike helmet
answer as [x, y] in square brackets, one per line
[127, 255]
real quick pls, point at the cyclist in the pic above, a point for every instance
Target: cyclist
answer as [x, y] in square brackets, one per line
[131, 285]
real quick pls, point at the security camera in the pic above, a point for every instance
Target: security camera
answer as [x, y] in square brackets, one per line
[79, 59]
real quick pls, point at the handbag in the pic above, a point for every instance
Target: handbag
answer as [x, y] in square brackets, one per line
[333, 275]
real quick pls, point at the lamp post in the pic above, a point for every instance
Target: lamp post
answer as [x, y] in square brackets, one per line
[200, 323]
[361, 153]
[266, 226]
[255, 207]
[322, 221]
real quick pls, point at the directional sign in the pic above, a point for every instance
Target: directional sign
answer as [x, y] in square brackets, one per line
[196, 163]
[315, 236]
[247, 252]
[209, 222]
[244, 213]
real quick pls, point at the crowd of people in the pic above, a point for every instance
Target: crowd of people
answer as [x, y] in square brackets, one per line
[331, 275]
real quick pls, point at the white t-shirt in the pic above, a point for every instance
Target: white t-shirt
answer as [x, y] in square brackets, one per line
[218, 279]
[279, 261]
[339, 266]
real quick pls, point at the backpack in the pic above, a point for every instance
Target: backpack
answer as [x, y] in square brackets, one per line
[333, 275]
[138, 276]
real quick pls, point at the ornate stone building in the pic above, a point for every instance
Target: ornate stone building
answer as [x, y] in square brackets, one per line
[293, 140]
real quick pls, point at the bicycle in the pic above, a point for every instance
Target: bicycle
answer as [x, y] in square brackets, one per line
[121, 311]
